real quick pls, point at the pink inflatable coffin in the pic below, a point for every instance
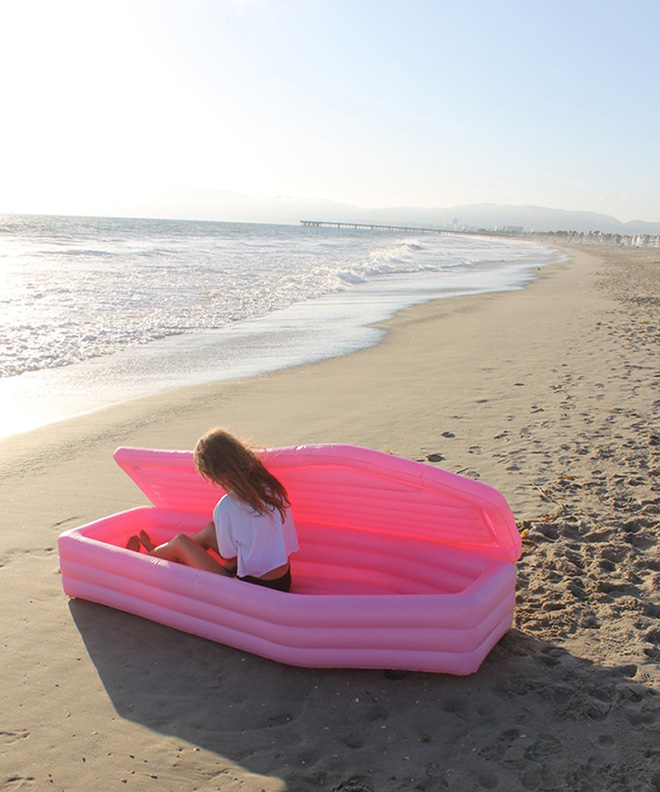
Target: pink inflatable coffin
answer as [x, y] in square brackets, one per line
[401, 565]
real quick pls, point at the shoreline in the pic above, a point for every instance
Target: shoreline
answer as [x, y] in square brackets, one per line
[545, 393]
[376, 330]
[329, 325]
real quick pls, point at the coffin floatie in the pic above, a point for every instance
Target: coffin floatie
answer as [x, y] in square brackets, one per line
[401, 565]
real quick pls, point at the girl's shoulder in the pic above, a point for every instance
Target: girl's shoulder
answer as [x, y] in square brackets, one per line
[230, 503]
[226, 503]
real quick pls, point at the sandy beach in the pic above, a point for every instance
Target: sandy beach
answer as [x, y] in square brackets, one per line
[548, 394]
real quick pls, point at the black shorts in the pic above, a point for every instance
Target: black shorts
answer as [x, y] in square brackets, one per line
[282, 583]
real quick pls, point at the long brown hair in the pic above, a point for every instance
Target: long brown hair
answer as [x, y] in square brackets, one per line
[226, 461]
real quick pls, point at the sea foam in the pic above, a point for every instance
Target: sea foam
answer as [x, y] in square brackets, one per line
[106, 307]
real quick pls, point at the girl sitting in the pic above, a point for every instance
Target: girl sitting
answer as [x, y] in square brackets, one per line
[252, 531]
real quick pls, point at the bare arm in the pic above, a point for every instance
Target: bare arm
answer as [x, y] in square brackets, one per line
[207, 539]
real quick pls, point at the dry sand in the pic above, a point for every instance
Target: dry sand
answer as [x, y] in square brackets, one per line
[549, 394]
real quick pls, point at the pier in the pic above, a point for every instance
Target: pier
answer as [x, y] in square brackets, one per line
[376, 227]
[404, 229]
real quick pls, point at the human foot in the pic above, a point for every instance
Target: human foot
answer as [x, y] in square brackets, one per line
[146, 541]
[134, 544]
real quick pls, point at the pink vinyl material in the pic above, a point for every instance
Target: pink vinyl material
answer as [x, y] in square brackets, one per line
[401, 565]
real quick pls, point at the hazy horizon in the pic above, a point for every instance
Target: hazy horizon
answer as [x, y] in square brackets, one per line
[231, 208]
[124, 108]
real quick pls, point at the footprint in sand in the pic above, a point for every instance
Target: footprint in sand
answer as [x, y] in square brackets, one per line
[10, 737]
[488, 780]
[544, 747]
[353, 740]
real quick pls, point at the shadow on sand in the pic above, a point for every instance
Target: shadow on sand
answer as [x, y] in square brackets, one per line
[533, 717]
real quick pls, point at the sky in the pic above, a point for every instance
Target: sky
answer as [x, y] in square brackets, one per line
[125, 106]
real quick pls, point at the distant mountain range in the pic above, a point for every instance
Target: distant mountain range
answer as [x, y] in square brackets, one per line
[194, 203]
[529, 218]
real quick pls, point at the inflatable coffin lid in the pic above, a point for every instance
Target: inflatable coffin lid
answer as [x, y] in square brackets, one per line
[346, 485]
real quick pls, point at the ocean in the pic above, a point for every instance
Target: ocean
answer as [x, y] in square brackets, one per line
[94, 311]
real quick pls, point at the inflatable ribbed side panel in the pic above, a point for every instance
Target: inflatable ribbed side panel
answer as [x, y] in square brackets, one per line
[401, 565]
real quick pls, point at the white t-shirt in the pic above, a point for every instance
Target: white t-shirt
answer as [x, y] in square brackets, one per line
[260, 542]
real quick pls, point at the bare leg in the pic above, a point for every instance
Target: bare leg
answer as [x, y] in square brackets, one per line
[183, 550]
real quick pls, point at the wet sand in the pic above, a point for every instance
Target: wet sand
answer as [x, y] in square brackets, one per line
[549, 394]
